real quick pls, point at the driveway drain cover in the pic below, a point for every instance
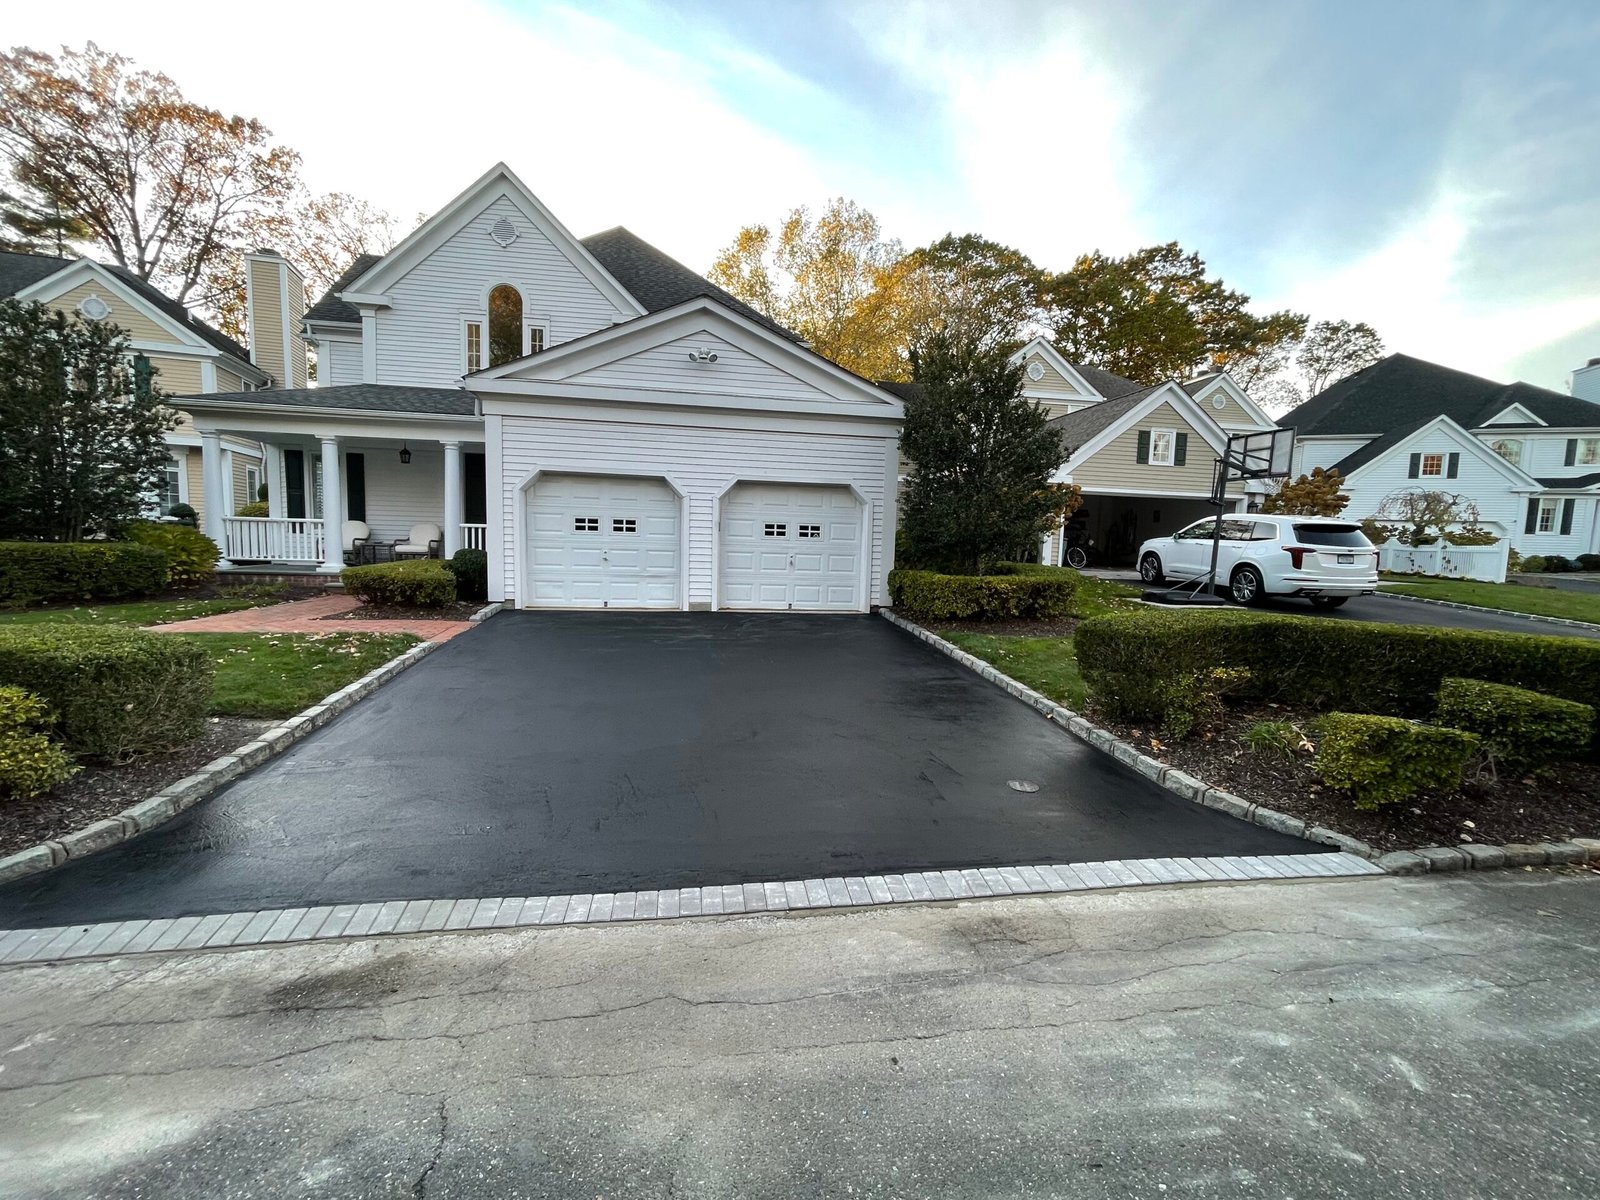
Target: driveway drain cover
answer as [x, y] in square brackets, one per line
[1022, 785]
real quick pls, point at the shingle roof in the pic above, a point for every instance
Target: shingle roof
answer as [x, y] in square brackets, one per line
[1109, 385]
[360, 397]
[1076, 428]
[1362, 455]
[1400, 391]
[1192, 386]
[330, 307]
[1571, 482]
[18, 271]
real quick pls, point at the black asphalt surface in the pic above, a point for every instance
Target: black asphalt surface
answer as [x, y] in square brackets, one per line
[545, 754]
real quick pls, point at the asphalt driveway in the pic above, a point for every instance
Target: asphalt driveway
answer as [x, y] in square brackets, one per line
[546, 754]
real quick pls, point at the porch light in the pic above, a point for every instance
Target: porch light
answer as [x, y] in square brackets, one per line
[405, 453]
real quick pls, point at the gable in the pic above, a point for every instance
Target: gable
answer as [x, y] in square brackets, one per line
[141, 326]
[1050, 382]
[1515, 414]
[1114, 463]
[1441, 435]
[668, 367]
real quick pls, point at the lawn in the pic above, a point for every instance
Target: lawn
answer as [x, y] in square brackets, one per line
[1046, 664]
[277, 675]
[1544, 602]
[137, 612]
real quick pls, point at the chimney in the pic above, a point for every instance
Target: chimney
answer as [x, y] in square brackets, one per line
[275, 298]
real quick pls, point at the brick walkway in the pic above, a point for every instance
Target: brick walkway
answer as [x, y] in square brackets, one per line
[305, 616]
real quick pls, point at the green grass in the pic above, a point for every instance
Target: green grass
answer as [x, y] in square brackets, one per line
[1544, 602]
[1046, 664]
[138, 612]
[277, 675]
[1095, 597]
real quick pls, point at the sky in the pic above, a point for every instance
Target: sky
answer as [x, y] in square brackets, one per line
[1431, 167]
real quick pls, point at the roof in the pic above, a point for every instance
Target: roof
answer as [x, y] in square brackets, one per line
[1400, 391]
[1197, 384]
[1571, 482]
[1362, 455]
[19, 271]
[1076, 428]
[358, 397]
[330, 307]
[1109, 385]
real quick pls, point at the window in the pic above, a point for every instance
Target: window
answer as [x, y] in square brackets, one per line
[171, 490]
[1433, 464]
[1343, 536]
[252, 484]
[624, 525]
[1200, 529]
[1236, 529]
[585, 524]
[1588, 452]
[1509, 449]
[775, 530]
[505, 325]
[474, 346]
[1547, 516]
[1161, 444]
[534, 341]
[811, 531]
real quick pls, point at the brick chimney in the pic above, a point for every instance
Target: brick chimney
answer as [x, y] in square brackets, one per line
[275, 297]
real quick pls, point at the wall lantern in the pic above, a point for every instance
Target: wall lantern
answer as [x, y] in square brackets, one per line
[405, 453]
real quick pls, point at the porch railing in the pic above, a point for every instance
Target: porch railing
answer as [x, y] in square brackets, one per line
[475, 537]
[272, 539]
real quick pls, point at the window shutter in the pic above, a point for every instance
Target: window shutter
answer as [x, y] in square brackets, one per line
[355, 485]
[1180, 453]
[1572, 452]
[1144, 446]
[1452, 466]
[294, 483]
[1532, 525]
[1567, 506]
[1415, 471]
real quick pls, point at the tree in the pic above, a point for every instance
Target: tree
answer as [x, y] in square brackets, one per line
[27, 228]
[161, 184]
[1313, 495]
[981, 459]
[815, 277]
[1425, 515]
[81, 442]
[1291, 372]
[1156, 315]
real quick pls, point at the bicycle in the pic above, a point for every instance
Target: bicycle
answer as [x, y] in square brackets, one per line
[1077, 549]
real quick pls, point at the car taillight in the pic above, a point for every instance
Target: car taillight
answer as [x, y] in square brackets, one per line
[1297, 554]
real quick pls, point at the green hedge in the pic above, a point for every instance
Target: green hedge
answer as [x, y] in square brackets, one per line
[1522, 730]
[191, 555]
[1383, 760]
[414, 583]
[1129, 661]
[1010, 592]
[30, 763]
[117, 693]
[38, 572]
[471, 571]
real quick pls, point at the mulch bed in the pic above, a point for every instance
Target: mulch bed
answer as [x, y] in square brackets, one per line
[459, 610]
[1563, 804]
[95, 793]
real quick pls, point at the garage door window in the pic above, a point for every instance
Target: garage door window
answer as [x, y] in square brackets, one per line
[772, 530]
[624, 525]
[585, 524]
[811, 531]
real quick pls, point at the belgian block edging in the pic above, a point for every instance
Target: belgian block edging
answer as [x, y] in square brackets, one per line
[1499, 612]
[1398, 862]
[189, 791]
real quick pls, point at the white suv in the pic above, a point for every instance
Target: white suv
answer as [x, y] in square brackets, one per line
[1327, 561]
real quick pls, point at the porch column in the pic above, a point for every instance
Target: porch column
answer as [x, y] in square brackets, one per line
[453, 509]
[213, 506]
[332, 508]
[276, 506]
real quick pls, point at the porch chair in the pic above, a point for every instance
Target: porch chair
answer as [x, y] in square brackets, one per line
[423, 541]
[356, 534]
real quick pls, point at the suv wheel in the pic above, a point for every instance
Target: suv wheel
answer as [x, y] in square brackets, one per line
[1246, 586]
[1150, 568]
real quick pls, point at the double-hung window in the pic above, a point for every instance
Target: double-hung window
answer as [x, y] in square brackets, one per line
[474, 346]
[1162, 447]
[170, 491]
[1547, 516]
[1433, 464]
[1588, 452]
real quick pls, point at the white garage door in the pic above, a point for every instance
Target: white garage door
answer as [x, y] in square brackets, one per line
[602, 542]
[785, 547]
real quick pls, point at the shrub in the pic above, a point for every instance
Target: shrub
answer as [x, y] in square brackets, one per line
[471, 571]
[1532, 565]
[1381, 760]
[117, 693]
[1189, 699]
[184, 513]
[415, 583]
[30, 763]
[1558, 564]
[191, 555]
[255, 508]
[1589, 562]
[1277, 739]
[37, 572]
[1522, 730]
[1044, 593]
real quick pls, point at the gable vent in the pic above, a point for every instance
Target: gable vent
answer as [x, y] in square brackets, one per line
[503, 232]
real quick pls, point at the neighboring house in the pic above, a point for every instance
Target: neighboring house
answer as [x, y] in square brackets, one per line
[1586, 381]
[188, 355]
[611, 428]
[1144, 456]
[1528, 457]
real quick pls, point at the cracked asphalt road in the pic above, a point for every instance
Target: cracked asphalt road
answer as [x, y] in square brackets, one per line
[1370, 1038]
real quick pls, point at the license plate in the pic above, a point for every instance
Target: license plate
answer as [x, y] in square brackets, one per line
[1346, 558]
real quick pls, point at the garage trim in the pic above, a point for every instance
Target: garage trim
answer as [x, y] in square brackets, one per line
[520, 523]
[864, 569]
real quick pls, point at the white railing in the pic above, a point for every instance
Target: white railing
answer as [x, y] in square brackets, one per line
[474, 537]
[272, 539]
[1447, 561]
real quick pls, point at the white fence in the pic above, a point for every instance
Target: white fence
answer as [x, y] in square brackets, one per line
[474, 537]
[272, 539]
[1447, 561]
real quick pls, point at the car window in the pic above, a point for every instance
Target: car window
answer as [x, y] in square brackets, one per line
[1265, 531]
[1331, 535]
[1236, 530]
[1200, 529]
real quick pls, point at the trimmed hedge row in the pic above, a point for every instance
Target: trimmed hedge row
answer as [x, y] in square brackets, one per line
[117, 693]
[1132, 661]
[471, 569]
[415, 582]
[30, 763]
[191, 555]
[1383, 760]
[37, 572]
[1522, 730]
[1010, 592]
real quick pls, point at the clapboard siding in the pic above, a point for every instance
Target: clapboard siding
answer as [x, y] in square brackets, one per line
[702, 462]
[399, 495]
[339, 362]
[1116, 465]
[1477, 477]
[419, 337]
[666, 367]
[1311, 453]
[1052, 382]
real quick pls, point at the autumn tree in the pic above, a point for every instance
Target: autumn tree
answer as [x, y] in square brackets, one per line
[981, 459]
[1290, 373]
[30, 228]
[1424, 515]
[1313, 495]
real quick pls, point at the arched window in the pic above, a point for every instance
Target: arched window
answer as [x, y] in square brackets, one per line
[505, 324]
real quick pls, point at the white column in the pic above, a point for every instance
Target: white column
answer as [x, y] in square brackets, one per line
[453, 508]
[369, 346]
[227, 484]
[332, 508]
[213, 505]
[276, 505]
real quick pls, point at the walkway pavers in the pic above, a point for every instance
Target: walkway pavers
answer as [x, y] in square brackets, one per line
[311, 616]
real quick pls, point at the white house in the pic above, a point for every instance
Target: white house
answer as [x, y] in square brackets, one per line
[1529, 458]
[611, 428]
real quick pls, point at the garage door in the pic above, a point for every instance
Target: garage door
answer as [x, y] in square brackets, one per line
[603, 542]
[783, 547]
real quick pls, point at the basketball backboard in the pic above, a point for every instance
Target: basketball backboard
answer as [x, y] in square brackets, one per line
[1263, 454]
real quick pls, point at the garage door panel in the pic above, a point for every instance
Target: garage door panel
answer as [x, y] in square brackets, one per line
[603, 542]
[784, 546]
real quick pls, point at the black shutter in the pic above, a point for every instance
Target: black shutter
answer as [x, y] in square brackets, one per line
[1453, 466]
[355, 485]
[1572, 452]
[1532, 525]
[294, 483]
[1143, 454]
[1180, 454]
[474, 500]
[1567, 506]
[1415, 470]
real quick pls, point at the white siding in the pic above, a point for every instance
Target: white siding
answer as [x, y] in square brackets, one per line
[1480, 480]
[667, 367]
[419, 338]
[1580, 541]
[338, 362]
[401, 494]
[701, 461]
[1310, 453]
[1544, 455]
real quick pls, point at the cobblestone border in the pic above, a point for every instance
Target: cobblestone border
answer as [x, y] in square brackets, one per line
[487, 611]
[192, 789]
[1499, 612]
[330, 921]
